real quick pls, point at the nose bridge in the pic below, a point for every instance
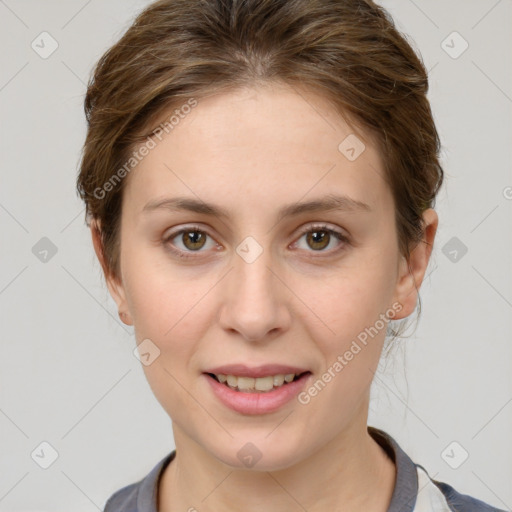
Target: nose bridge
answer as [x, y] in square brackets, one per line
[252, 275]
[254, 302]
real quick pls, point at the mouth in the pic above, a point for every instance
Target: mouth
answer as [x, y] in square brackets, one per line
[256, 390]
[264, 384]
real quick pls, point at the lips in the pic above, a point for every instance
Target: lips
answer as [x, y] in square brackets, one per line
[256, 390]
[253, 401]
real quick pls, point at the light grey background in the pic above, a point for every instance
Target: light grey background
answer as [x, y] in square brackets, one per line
[67, 372]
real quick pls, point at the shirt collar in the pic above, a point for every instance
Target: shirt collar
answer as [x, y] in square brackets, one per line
[402, 500]
[406, 485]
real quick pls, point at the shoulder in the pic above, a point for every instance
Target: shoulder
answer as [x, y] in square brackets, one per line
[124, 499]
[462, 502]
[416, 491]
[140, 496]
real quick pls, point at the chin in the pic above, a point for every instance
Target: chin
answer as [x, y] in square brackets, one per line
[257, 455]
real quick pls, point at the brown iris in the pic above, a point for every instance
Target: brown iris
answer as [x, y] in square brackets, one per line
[195, 238]
[319, 239]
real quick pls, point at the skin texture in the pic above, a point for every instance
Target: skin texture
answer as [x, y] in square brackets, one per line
[251, 152]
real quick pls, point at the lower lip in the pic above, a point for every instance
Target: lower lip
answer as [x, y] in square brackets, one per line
[257, 402]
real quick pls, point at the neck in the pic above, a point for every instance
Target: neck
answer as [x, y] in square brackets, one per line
[351, 472]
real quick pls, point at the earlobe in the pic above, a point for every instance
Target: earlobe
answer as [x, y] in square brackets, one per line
[125, 318]
[114, 284]
[412, 272]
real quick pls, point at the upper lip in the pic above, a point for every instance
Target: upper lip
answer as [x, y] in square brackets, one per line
[242, 370]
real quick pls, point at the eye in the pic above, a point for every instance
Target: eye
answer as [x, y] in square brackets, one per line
[188, 240]
[319, 237]
[192, 239]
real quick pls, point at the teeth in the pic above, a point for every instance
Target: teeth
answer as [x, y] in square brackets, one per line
[278, 380]
[255, 384]
[262, 383]
[245, 383]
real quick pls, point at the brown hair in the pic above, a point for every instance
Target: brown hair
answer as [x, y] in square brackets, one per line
[348, 51]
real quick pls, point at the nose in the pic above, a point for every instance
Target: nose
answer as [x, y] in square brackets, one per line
[255, 299]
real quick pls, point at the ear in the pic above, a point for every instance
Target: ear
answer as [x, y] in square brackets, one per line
[114, 283]
[412, 272]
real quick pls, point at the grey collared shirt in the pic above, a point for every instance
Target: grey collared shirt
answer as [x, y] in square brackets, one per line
[414, 490]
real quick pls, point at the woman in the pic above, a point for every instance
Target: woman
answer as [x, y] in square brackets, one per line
[259, 178]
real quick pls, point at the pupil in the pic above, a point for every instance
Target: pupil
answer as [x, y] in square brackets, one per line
[194, 237]
[319, 239]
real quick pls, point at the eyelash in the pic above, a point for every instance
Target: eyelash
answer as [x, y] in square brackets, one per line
[316, 227]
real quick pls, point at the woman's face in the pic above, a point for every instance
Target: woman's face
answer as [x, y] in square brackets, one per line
[264, 282]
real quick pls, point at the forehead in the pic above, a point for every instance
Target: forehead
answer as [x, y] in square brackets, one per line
[263, 144]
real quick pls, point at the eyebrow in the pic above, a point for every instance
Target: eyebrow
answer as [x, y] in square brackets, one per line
[327, 203]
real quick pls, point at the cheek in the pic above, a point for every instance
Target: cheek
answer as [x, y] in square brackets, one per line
[162, 298]
[174, 314]
[168, 307]
[352, 298]
[349, 342]
[354, 305]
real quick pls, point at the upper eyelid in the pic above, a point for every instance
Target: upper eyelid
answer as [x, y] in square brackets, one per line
[321, 225]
